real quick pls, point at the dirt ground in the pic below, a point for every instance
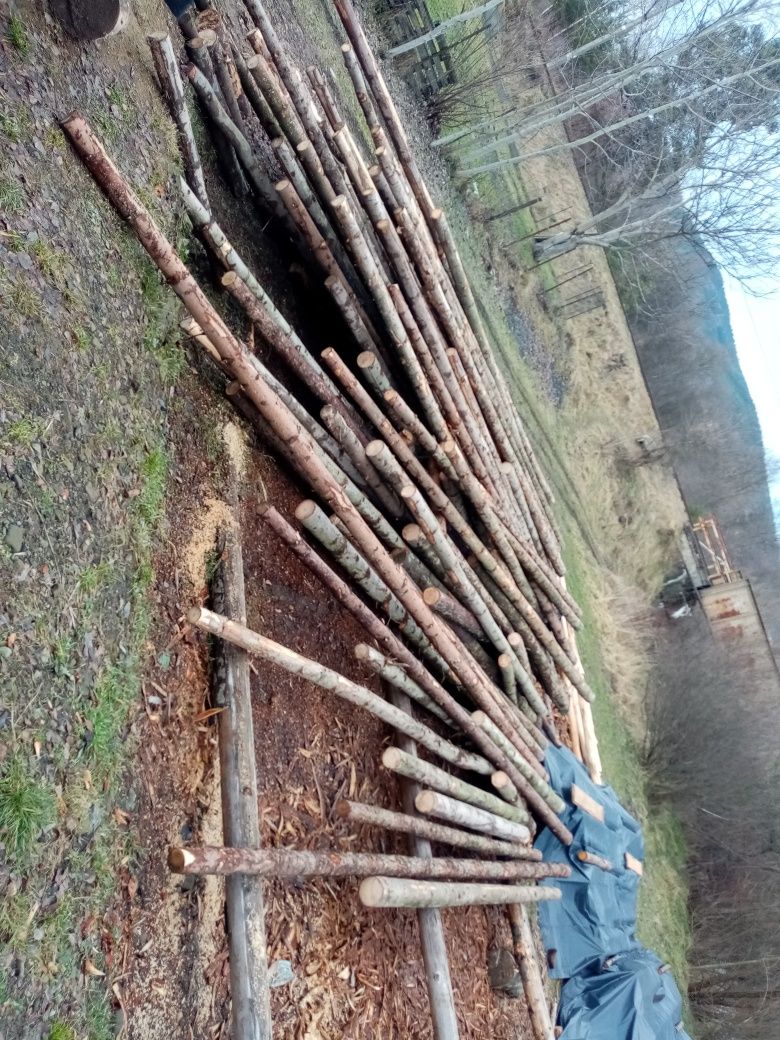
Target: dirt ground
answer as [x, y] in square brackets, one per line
[113, 464]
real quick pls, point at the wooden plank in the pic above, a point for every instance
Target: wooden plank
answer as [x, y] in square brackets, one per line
[632, 863]
[589, 805]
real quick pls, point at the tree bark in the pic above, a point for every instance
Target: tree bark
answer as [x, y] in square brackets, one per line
[430, 775]
[404, 823]
[250, 998]
[402, 892]
[433, 803]
[295, 863]
[172, 87]
[533, 986]
[397, 677]
[328, 535]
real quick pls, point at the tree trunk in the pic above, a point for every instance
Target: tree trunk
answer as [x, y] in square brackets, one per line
[425, 773]
[375, 816]
[295, 863]
[402, 892]
[433, 803]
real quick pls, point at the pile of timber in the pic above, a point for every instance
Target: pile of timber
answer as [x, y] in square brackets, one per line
[431, 519]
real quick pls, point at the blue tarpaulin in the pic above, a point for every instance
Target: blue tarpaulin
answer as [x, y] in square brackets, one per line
[614, 988]
[628, 996]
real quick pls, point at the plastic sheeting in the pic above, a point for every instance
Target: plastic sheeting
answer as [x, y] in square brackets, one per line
[614, 988]
[596, 915]
[628, 996]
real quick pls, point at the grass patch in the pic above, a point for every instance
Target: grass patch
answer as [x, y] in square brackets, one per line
[17, 35]
[14, 123]
[26, 302]
[92, 578]
[61, 1031]
[11, 196]
[26, 806]
[23, 432]
[53, 263]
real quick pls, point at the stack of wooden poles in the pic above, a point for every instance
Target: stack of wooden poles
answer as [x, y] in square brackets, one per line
[431, 520]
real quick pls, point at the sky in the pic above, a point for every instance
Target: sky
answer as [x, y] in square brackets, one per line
[755, 322]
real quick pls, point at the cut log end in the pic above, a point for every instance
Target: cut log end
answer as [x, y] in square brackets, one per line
[179, 860]
[371, 891]
[425, 802]
[305, 509]
[391, 757]
[431, 595]
[194, 615]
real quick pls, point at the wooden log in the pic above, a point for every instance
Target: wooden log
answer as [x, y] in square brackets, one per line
[435, 378]
[528, 965]
[433, 531]
[325, 97]
[271, 409]
[222, 248]
[434, 803]
[296, 863]
[276, 96]
[533, 742]
[288, 160]
[327, 679]
[505, 787]
[404, 823]
[397, 677]
[508, 676]
[334, 421]
[172, 87]
[341, 548]
[256, 174]
[255, 97]
[446, 241]
[300, 361]
[384, 101]
[425, 773]
[376, 375]
[245, 911]
[403, 892]
[435, 958]
[592, 859]
[379, 631]
[219, 62]
[451, 609]
[366, 265]
[363, 335]
[329, 450]
[407, 419]
[529, 769]
[309, 231]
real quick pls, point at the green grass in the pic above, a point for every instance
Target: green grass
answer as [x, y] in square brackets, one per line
[11, 196]
[23, 432]
[27, 805]
[17, 35]
[93, 577]
[14, 124]
[61, 1031]
[52, 262]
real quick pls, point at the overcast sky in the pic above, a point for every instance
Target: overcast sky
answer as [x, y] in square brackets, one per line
[756, 326]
